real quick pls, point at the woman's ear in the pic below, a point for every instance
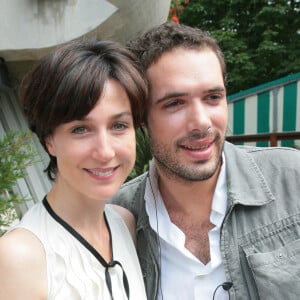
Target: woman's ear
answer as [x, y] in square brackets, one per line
[50, 145]
[143, 128]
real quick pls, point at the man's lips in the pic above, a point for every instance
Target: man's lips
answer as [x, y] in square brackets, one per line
[197, 144]
[196, 147]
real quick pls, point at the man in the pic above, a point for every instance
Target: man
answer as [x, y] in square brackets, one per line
[214, 221]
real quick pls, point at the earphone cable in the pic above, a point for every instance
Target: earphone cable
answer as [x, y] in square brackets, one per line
[157, 235]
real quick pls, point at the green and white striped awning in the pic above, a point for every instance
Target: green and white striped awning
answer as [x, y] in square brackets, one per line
[267, 108]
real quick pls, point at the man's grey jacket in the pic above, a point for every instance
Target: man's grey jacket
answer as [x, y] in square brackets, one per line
[260, 235]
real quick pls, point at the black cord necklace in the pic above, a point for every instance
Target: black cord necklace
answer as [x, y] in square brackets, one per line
[91, 249]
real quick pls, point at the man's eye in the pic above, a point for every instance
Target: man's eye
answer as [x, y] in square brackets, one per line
[79, 130]
[215, 97]
[172, 103]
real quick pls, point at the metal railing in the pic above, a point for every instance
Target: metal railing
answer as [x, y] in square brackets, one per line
[272, 137]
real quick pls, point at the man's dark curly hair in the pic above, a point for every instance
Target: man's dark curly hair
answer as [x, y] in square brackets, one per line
[150, 46]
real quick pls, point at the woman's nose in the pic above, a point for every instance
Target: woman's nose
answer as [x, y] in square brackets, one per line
[103, 147]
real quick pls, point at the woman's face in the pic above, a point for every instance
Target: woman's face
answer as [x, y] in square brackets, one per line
[96, 154]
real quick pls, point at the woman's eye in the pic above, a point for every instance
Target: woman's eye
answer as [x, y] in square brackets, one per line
[79, 130]
[120, 126]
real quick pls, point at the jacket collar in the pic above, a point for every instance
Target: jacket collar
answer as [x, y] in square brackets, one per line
[246, 184]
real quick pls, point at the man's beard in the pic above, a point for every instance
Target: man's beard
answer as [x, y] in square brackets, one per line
[168, 162]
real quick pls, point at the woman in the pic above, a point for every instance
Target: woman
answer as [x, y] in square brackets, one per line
[83, 101]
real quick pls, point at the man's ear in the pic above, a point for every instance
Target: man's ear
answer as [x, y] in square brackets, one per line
[50, 145]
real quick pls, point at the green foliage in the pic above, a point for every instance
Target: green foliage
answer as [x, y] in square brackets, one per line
[260, 38]
[17, 153]
[143, 154]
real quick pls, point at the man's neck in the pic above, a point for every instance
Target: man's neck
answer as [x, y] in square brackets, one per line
[189, 208]
[187, 196]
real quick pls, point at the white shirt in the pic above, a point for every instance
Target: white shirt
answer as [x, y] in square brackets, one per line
[183, 276]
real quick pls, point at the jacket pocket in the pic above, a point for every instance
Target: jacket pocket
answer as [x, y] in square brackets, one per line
[277, 273]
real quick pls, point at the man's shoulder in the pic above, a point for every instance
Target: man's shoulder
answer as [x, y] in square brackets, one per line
[130, 191]
[135, 182]
[281, 155]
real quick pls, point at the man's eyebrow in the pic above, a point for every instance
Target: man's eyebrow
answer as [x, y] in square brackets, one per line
[170, 96]
[215, 89]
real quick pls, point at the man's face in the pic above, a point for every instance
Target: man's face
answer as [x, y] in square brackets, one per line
[187, 117]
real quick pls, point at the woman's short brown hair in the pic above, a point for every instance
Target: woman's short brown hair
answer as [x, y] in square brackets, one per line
[66, 84]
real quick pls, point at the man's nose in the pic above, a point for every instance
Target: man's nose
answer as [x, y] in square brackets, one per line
[198, 116]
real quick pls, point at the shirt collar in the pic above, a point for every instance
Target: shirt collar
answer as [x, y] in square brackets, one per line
[155, 204]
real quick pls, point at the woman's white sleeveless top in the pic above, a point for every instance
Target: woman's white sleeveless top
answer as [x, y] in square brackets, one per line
[73, 270]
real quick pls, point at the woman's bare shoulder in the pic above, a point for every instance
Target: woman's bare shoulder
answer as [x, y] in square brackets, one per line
[22, 265]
